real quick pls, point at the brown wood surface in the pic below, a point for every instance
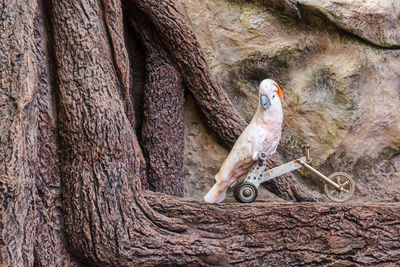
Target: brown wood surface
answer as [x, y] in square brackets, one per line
[162, 133]
[18, 136]
[284, 234]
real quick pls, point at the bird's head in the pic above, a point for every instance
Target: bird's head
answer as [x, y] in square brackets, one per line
[270, 94]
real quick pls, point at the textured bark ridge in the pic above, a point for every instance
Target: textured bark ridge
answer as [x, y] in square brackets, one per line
[72, 164]
[50, 245]
[101, 162]
[172, 27]
[18, 137]
[274, 234]
[162, 128]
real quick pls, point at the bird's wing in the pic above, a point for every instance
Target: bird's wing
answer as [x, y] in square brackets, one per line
[271, 142]
[273, 147]
[250, 140]
[256, 137]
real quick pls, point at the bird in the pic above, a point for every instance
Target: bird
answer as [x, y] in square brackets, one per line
[261, 135]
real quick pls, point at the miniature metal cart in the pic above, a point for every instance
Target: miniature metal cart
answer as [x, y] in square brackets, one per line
[339, 187]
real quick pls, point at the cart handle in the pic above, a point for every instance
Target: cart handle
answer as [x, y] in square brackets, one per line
[320, 175]
[306, 148]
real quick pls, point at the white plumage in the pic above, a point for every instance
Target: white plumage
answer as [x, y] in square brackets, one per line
[261, 135]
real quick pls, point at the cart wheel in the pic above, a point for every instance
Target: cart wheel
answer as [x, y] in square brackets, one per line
[344, 180]
[245, 192]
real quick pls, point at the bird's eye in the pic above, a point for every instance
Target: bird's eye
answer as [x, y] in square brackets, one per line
[273, 96]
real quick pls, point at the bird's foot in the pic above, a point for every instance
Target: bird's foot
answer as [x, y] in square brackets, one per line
[263, 156]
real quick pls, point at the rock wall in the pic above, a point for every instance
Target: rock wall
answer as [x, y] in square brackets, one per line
[339, 70]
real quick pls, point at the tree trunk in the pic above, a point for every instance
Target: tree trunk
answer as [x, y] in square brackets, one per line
[18, 136]
[73, 167]
[50, 246]
[162, 129]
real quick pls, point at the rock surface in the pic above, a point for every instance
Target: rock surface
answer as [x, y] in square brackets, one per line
[378, 21]
[341, 94]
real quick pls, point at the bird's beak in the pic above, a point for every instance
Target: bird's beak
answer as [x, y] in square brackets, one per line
[265, 102]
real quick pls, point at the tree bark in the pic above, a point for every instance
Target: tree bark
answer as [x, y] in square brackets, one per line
[177, 36]
[280, 234]
[18, 135]
[101, 162]
[50, 246]
[162, 129]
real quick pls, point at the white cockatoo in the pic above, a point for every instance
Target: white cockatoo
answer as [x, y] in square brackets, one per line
[261, 135]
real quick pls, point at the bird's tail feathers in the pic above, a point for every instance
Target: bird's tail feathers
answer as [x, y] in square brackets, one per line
[215, 195]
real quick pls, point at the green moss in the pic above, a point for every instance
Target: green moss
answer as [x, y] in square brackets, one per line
[285, 20]
[219, 2]
[331, 135]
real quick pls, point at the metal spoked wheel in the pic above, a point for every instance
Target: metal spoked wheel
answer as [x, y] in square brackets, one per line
[245, 192]
[344, 180]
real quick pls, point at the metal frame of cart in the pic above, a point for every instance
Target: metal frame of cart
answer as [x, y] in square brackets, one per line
[339, 187]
